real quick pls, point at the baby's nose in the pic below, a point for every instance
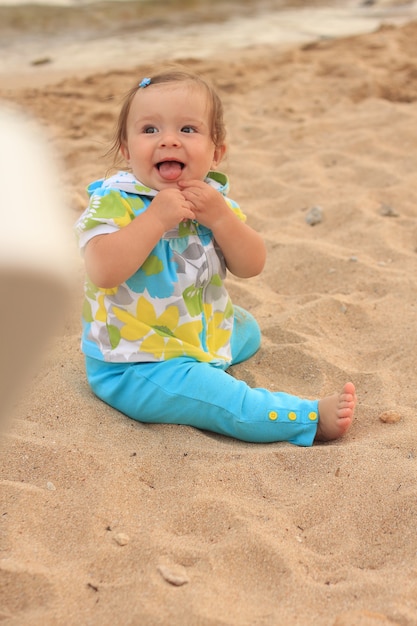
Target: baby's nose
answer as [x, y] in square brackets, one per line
[170, 139]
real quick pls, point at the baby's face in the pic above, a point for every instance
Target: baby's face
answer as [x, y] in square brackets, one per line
[168, 135]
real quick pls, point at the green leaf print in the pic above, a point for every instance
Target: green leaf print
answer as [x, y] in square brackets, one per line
[216, 281]
[142, 189]
[90, 290]
[192, 299]
[152, 265]
[87, 312]
[136, 204]
[186, 228]
[111, 207]
[228, 311]
[163, 330]
[114, 335]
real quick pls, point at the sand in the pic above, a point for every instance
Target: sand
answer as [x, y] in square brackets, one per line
[109, 522]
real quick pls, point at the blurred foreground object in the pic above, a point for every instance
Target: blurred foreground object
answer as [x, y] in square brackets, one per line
[34, 251]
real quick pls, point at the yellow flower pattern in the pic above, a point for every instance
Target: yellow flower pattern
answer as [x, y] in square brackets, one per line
[162, 336]
[217, 337]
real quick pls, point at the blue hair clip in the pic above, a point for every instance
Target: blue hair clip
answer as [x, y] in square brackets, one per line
[144, 83]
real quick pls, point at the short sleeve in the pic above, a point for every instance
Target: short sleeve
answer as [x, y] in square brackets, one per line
[108, 211]
[236, 209]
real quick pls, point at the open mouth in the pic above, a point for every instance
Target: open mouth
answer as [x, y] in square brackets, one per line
[170, 170]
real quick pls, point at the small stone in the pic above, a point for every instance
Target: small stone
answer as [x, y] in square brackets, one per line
[50, 486]
[388, 211]
[41, 61]
[390, 417]
[122, 539]
[314, 216]
[174, 574]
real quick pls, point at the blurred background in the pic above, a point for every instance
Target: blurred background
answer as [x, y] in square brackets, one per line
[67, 35]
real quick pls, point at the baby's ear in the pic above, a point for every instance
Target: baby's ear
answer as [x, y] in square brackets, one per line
[125, 152]
[219, 153]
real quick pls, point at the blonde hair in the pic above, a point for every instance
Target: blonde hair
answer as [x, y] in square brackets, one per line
[217, 126]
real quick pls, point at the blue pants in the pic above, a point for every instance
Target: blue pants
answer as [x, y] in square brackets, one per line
[185, 391]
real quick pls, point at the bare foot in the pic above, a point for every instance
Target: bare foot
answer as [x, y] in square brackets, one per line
[336, 414]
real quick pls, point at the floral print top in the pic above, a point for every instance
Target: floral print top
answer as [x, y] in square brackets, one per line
[176, 303]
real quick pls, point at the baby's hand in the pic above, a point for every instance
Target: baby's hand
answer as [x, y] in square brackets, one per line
[170, 207]
[207, 203]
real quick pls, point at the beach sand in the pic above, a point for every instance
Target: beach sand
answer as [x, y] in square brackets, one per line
[105, 521]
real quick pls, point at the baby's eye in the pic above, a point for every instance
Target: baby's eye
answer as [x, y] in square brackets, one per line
[188, 129]
[149, 130]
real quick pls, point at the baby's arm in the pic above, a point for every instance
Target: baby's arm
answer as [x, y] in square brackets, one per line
[242, 247]
[111, 259]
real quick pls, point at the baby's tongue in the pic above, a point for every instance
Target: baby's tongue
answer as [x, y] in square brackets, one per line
[170, 170]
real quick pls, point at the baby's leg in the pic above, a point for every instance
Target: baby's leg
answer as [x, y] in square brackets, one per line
[246, 336]
[336, 414]
[183, 391]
